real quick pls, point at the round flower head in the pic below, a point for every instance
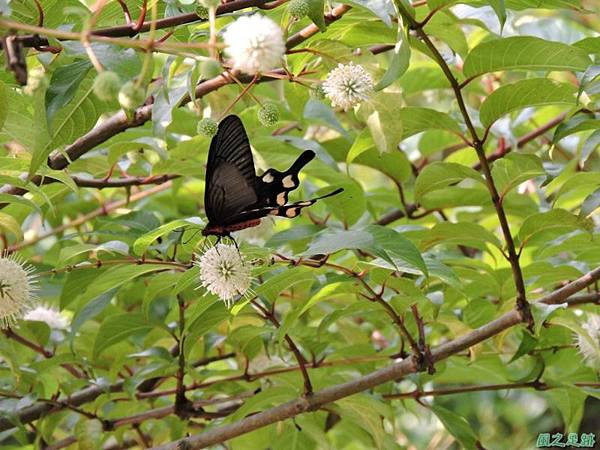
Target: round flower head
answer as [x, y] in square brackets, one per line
[224, 272]
[590, 349]
[50, 316]
[207, 127]
[17, 289]
[254, 44]
[347, 85]
[268, 114]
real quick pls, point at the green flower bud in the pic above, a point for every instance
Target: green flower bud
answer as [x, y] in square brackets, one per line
[268, 115]
[107, 85]
[131, 96]
[210, 68]
[201, 11]
[298, 8]
[207, 127]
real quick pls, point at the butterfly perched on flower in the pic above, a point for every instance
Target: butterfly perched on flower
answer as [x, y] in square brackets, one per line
[235, 197]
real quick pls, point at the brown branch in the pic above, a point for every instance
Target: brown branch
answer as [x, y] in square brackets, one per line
[9, 333]
[265, 374]
[168, 22]
[103, 210]
[122, 182]
[183, 408]
[478, 145]
[270, 315]
[538, 385]
[385, 375]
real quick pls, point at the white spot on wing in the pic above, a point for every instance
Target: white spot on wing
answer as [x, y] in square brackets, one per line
[288, 182]
[281, 199]
[267, 178]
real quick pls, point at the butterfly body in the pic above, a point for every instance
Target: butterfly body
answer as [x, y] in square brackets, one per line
[236, 198]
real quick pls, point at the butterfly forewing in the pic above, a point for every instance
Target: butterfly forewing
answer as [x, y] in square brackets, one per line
[230, 175]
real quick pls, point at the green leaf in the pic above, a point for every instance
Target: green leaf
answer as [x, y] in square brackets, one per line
[525, 93]
[115, 277]
[10, 225]
[316, 13]
[273, 286]
[142, 243]
[570, 403]
[68, 123]
[362, 143]
[367, 413]
[462, 233]
[542, 227]
[415, 119]
[528, 343]
[383, 123]
[399, 61]
[117, 328]
[383, 242]
[524, 53]
[514, 169]
[275, 395]
[581, 181]
[440, 175]
[457, 426]
[64, 84]
[576, 124]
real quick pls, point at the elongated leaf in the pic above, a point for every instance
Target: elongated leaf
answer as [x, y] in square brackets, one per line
[524, 53]
[144, 241]
[10, 225]
[524, 93]
[548, 225]
[64, 84]
[68, 123]
[440, 175]
[514, 169]
[315, 13]
[457, 426]
[115, 329]
[415, 119]
[399, 62]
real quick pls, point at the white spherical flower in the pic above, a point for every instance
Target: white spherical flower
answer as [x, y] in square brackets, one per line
[224, 272]
[590, 349]
[347, 85]
[17, 289]
[254, 44]
[50, 316]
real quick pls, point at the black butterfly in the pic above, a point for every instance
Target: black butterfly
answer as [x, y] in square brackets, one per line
[235, 198]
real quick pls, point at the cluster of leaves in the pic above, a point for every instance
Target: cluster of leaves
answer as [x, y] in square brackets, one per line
[416, 225]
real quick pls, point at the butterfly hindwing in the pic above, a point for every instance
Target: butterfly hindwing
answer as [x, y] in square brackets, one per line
[290, 211]
[274, 186]
[230, 174]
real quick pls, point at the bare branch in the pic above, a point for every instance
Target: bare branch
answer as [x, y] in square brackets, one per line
[391, 373]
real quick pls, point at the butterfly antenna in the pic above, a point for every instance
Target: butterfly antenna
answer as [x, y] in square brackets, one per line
[192, 237]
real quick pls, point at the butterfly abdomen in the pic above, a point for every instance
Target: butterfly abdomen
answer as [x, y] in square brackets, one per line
[224, 230]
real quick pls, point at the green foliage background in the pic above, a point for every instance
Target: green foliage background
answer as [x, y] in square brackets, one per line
[415, 226]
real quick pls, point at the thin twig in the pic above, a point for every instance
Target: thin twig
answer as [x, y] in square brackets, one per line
[478, 144]
[269, 315]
